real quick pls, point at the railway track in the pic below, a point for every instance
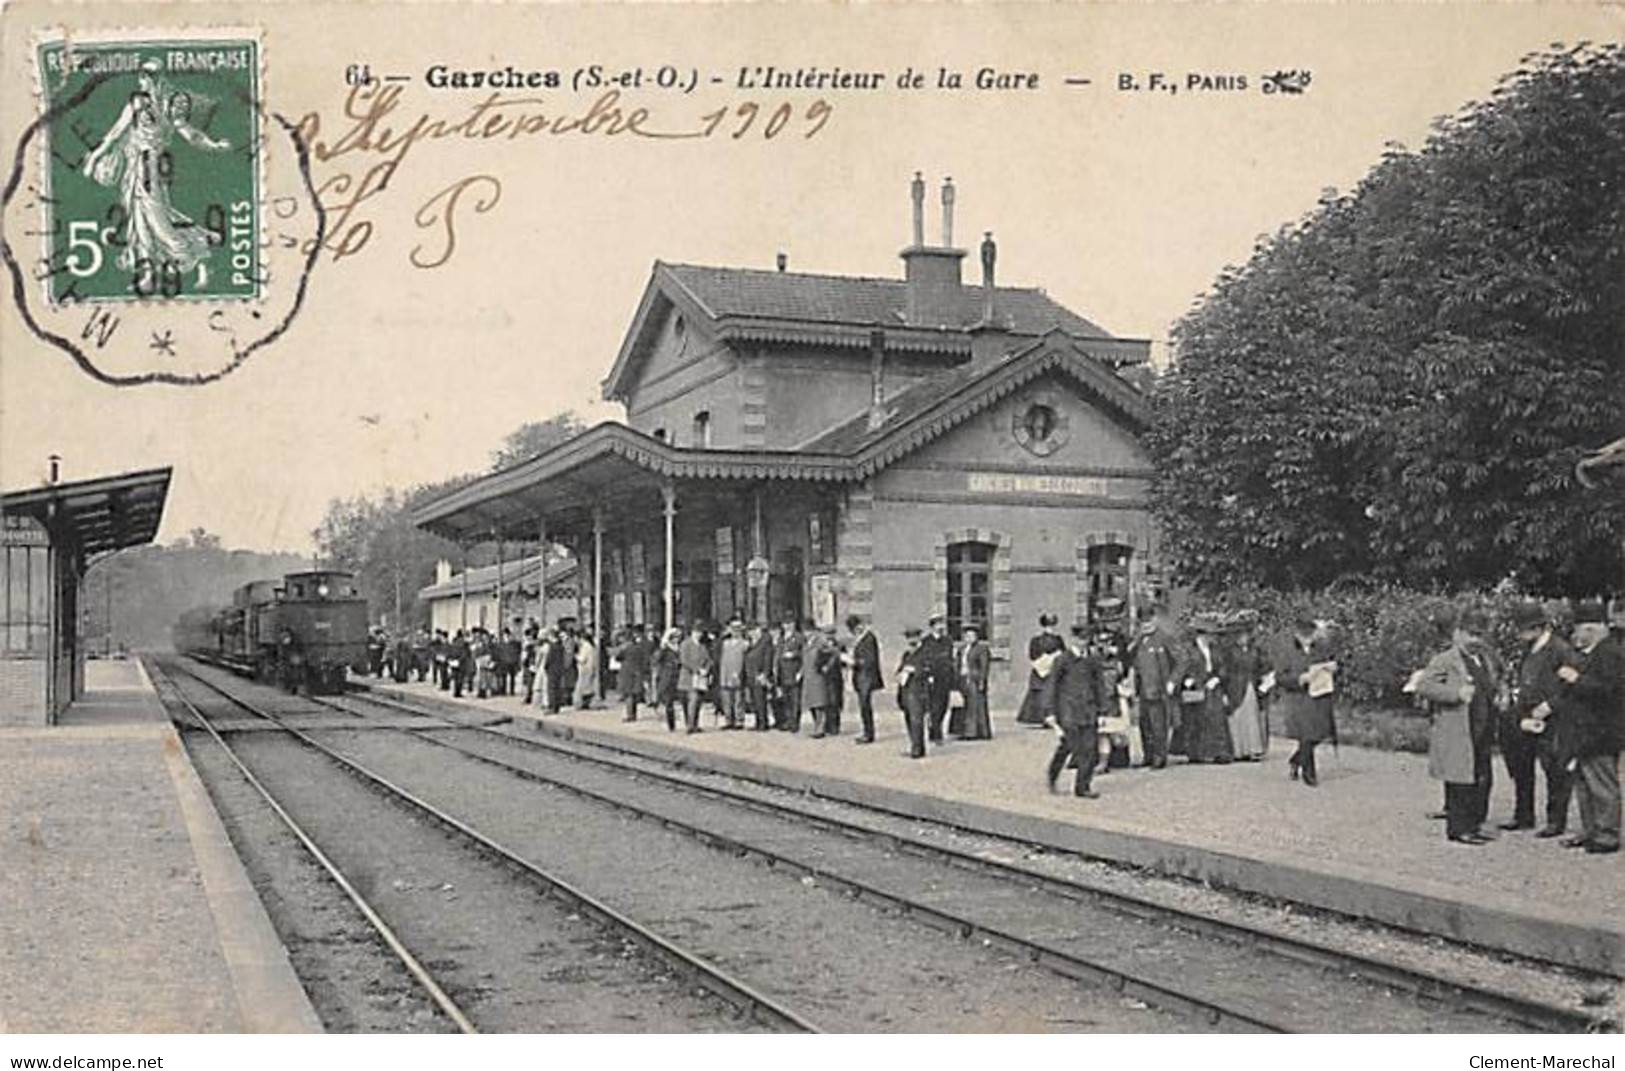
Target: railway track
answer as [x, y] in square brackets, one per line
[1446, 993]
[737, 993]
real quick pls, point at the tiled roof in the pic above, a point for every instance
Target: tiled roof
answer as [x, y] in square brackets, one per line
[854, 435]
[484, 578]
[851, 299]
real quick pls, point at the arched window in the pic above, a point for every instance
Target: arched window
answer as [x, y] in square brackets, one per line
[1108, 573]
[702, 428]
[970, 586]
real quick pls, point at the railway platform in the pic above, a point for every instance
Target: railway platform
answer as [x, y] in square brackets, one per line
[1361, 844]
[123, 906]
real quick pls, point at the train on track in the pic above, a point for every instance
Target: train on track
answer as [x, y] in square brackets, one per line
[302, 631]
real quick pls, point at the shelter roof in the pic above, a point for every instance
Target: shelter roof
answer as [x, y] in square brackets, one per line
[515, 573]
[99, 515]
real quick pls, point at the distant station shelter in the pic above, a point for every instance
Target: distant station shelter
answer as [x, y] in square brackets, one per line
[490, 596]
[809, 446]
[49, 535]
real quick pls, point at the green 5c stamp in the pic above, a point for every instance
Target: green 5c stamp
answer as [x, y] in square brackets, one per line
[153, 169]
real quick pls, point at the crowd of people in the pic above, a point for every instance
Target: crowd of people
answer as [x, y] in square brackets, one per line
[553, 667]
[1208, 693]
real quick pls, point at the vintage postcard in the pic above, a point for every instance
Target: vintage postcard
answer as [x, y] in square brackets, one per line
[891, 518]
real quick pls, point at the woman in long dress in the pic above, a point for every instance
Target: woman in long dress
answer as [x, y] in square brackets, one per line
[1038, 705]
[1244, 669]
[134, 159]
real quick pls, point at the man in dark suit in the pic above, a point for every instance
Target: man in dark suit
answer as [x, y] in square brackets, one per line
[787, 651]
[866, 678]
[634, 654]
[1154, 663]
[758, 676]
[1080, 699]
[1596, 700]
[937, 660]
[914, 692]
[1529, 731]
[1484, 667]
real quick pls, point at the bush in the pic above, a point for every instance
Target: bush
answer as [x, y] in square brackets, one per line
[1380, 635]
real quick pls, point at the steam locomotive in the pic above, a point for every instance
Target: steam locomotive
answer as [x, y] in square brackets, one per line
[303, 631]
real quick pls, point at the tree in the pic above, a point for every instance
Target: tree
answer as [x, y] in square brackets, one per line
[1397, 387]
[392, 558]
[536, 438]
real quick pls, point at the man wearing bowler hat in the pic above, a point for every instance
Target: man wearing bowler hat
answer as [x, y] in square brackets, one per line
[913, 692]
[1596, 702]
[1529, 729]
[1080, 699]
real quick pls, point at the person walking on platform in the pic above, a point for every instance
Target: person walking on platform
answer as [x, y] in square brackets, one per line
[527, 659]
[937, 659]
[787, 651]
[913, 692]
[815, 694]
[375, 652]
[1153, 660]
[1202, 673]
[1596, 700]
[1529, 730]
[1037, 705]
[757, 675]
[570, 670]
[1243, 675]
[1448, 685]
[633, 676]
[731, 673]
[864, 659]
[1080, 700]
[694, 673]
[975, 664]
[668, 672]
[1301, 677]
[420, 654]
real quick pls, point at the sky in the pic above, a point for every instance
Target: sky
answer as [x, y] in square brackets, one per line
[1123, 205]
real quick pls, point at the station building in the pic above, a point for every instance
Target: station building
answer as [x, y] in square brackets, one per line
[48, 535]
[817, 445]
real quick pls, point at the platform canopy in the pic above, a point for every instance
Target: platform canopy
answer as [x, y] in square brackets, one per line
[91, 517]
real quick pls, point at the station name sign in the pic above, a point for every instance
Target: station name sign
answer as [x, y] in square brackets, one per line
[1031, 484]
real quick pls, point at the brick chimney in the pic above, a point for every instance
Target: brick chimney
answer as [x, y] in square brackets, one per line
[932, 272]
[990, 254]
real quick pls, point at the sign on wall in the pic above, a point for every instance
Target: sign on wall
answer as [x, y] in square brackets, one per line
[725, 551]
[1028, 484]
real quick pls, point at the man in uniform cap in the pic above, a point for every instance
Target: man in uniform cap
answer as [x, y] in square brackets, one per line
[1596, 702]
[913, 692]
[937, 659]
[1528, 729]
[1080, 700]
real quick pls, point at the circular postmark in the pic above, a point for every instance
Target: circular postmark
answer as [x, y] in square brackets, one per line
[159, 223]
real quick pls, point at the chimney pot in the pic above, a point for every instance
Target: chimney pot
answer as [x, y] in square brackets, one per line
[990, 253]
[56, 467]
[783, 260]
[917, 192]
[948, 213]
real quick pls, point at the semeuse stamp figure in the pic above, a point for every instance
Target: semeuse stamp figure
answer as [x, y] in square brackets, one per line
[153, 169]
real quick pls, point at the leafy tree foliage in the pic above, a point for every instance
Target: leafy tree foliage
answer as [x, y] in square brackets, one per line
[392, 558]
[1396, 387]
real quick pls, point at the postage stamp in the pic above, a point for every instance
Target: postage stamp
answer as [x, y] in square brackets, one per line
[153, 171]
